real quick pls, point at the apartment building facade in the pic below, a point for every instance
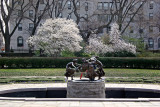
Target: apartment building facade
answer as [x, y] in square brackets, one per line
[98, 12]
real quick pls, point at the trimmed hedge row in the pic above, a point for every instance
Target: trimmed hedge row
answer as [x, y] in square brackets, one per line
[32, 62]
[139, 63]
[108, 62]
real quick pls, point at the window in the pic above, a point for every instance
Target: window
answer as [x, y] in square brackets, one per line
[78, 5]
[108, 29]
[20, 27]
[41, 12]
[100, 30]
[99, 17]
[105, 5]
[31, 25]
[142, 2]
[40, 24]
[132, 7]
[108, 17]
[118, 5]
[159, 43]
[150, 43]
[131, 29]
[111, 5]
[131, 17]
[60, 4]
[141, 17]
[104, 18]
[86, 16]
[100, 5]
[151, 4]
[19, 2]
[69, 16]
[69, 5]
[115, 18]
[150, 16]
[19, 13]
[140, 30]
[150, 28]
[20, 41]
[86, 6]
[30, 13]
[41, 1]
[60, 15]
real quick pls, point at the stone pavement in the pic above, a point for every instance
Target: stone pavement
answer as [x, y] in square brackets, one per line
[20, 103]
[76, 104]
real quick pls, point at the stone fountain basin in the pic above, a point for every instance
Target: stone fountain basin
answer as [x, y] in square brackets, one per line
[61, 92]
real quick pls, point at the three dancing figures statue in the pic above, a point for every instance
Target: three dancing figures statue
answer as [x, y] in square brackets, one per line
[91, 68]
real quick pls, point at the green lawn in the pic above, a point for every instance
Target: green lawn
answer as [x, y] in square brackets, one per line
[112, 75]
[60, 72]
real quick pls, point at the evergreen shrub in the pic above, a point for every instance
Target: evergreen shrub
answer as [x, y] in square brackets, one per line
[108, 62]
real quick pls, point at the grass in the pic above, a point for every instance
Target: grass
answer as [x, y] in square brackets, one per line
[112, 75]
[132, 73]
[133, 80]
[60, 72]
[32, 72]
[5, 80]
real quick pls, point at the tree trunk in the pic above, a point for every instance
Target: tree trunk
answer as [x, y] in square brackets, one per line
[7, 44]
[34, 30]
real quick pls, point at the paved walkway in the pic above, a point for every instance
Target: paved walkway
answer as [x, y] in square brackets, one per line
[77, 104]
[18, 103]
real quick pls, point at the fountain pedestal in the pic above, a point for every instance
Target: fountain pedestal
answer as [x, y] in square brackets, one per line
[85, 89]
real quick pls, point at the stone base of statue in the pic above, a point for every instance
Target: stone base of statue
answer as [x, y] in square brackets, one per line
[85, 89]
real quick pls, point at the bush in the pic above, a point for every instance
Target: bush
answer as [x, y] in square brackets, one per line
[67, 53]
[34, 62]
[119, 54]
[108, 62]
[148, 54]
[139, 63]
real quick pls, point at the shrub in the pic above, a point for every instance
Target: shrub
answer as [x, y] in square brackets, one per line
[126, 62]
[119, 54]
[108, 62]
[67, 53]
[148, 54]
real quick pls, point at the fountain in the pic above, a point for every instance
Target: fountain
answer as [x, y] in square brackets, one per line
[86, 88]
[80, 90]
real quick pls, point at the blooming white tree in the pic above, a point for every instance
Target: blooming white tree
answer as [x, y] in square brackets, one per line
[97, 46]
[118, 44]
[57, 35]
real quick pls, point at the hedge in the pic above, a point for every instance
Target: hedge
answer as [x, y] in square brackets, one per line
[139, 63]
[108, 62]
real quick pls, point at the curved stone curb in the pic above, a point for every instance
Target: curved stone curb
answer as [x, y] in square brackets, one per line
[84, 99]
[27, 87]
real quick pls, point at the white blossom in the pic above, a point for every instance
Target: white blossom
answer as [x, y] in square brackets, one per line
[119, 44]
[116, 43]
[97, 46]
[57, 35]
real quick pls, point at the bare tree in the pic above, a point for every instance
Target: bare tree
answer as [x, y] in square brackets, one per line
[121, 11]
[39, 13]
[157, 15]
[56, 8]
[11, 11]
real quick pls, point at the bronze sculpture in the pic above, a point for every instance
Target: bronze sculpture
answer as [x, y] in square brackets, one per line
[88, 67]
[71, 68]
